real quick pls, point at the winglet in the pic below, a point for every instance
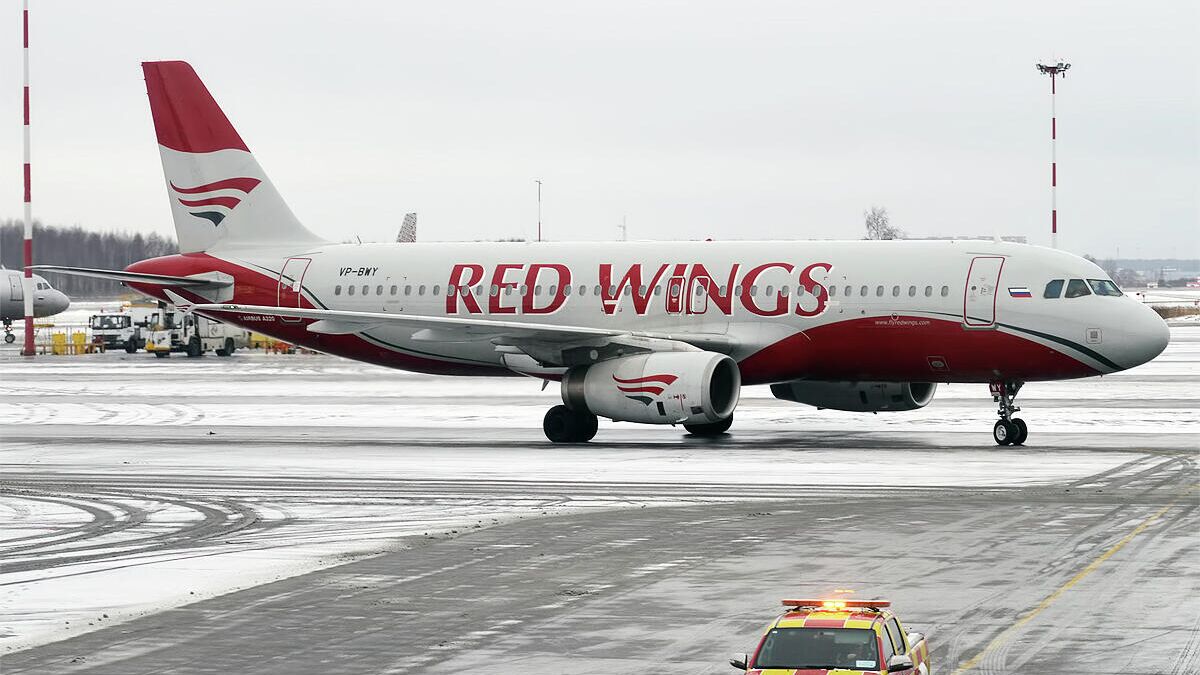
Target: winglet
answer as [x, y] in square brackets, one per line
[181, 303]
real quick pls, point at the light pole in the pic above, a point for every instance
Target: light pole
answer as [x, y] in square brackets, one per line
[1053, 71]
[539, 209]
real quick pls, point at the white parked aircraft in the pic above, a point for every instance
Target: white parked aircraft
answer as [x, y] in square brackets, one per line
[651, 332]
[47, 301]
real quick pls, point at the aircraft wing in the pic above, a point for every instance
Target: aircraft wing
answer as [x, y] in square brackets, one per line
[123, 276]
[548, 343]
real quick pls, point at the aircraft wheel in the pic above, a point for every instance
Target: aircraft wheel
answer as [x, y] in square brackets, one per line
[1004, 432]
[563, 425]
[1022, 431]
[711, 429]
[194, 348]
[9, 338]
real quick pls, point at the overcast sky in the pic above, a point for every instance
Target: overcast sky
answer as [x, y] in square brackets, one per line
[730, 120]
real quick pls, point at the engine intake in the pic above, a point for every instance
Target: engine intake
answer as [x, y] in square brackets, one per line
[659, 388]
[857, 396]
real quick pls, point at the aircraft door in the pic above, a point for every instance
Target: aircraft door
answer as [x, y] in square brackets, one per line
[979, 293]
[15, 291]
[698, 295]
[676, 289]
[291, 281]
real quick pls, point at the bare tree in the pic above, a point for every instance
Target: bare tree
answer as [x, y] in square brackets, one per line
[878, 226]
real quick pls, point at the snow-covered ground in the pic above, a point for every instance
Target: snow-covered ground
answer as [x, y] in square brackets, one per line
[132, 484]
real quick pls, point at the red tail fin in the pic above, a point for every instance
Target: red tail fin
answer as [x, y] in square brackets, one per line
[186, 117]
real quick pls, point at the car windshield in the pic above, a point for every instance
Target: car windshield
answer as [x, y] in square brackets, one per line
[818, 648]
[1104, 287]
[103, 322]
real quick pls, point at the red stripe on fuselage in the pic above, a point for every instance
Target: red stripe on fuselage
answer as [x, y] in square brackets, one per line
[900, 348]
[258, 288]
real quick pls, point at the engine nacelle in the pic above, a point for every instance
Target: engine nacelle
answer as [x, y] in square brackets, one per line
[857, 396]
[658, 388]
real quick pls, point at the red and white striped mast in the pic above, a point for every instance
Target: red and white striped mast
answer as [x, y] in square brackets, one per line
[27, 281]
[1053, 71]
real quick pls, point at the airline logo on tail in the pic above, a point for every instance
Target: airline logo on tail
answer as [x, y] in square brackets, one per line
[214, 201]
[636, 388]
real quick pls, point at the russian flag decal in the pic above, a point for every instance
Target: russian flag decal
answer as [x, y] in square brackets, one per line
[1019, 292]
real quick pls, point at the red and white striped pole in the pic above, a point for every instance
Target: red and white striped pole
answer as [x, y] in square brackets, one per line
[1053, 71]
[27, 281]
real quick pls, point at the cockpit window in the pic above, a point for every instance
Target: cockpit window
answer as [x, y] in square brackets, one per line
[1104, 287]
[1077, 288]
[1053, 289]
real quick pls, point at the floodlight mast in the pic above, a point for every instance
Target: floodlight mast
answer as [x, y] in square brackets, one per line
[1054, 71]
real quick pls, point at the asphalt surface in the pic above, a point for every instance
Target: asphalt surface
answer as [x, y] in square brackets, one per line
[669, 566]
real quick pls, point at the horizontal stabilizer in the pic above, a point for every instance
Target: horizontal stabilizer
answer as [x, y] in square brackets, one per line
[126, 277]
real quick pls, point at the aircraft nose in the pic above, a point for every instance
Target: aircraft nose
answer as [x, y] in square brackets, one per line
[1148, 335]
[59, 302]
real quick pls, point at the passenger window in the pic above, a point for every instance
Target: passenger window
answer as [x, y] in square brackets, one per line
[566, 290]
[435, 289]
[337, 290]
[392, 290]
[366, 289]
[1077, 288]
[537, 290]
[912, 291]
[379, 290]
[945, 291]
[582, 289]
[783, 290]
[597, 289]
[863, 291]
[1104, 287]
[657, 290]
[832, 291]
[421, 289]
[770, 291]
[929, 291]
[895, 291]
[737, 290]
[494, 290]
[848, 291]
[349, 290]
[642, 289]
[524, 290]
[1053, 289]
[754, 289]
[879, 291]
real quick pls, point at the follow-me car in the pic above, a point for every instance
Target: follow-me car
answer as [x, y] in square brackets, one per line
[842, 637]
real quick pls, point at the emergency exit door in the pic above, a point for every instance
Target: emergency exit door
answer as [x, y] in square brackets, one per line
[979, 295]
[291, 282]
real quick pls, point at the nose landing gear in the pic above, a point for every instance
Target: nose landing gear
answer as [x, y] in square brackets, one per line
[1008, 430]
[9, 338]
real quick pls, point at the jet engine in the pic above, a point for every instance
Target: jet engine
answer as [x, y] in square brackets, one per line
[857, 396]
[695, 387]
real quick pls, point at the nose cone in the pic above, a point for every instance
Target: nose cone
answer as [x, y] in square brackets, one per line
[59, 302]
[1147, 335]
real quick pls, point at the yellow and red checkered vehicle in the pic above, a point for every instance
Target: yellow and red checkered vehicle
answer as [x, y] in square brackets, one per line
[837, 637]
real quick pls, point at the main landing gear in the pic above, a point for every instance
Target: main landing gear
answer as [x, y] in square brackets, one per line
[563, 425]
[1009, 430]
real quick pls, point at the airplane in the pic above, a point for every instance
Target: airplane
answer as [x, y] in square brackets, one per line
[46, 300]
[647, 332]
